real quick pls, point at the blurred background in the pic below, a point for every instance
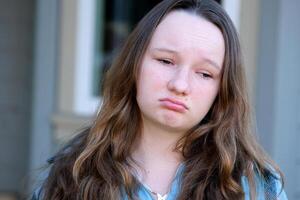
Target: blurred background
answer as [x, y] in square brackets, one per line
[53, 54]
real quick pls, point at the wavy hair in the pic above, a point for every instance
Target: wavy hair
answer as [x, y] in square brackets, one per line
[217, 152]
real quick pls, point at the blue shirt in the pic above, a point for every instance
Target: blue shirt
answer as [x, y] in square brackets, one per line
[273, 191]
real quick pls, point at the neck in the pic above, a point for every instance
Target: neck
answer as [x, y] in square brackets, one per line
[157, 147]
[156, 158]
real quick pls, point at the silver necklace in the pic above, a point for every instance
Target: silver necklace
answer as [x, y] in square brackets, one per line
[159, 196]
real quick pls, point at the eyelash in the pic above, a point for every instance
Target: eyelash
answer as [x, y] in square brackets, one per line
[165, 61]
[204, 75]
[168, 62]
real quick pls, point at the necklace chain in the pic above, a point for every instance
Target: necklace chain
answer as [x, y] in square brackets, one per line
[159, 196]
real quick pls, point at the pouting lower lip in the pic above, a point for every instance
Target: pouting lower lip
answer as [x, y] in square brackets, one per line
[175, 102]
[173, 106]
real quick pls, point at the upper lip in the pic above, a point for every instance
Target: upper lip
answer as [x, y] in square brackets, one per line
[175, 101]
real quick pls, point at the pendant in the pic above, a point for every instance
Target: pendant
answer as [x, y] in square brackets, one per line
[159, 197]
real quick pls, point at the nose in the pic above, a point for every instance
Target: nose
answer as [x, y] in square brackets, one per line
[179, 82]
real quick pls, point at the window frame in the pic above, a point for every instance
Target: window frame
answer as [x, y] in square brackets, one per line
[84, 101]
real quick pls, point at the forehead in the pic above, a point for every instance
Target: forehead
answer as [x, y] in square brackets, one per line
[184, 31]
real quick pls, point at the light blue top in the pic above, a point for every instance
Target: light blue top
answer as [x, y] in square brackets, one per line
[275, 189]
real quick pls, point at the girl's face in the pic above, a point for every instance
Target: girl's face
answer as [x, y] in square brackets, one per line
[180, 72]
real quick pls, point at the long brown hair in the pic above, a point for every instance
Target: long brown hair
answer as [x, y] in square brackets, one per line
[217, 152]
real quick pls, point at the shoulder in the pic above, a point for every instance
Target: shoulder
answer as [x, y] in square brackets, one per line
[269, 187]
[36, 195]
[273, 187]
[59, 166]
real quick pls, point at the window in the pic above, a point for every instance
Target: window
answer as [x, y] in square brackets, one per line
[115, 20]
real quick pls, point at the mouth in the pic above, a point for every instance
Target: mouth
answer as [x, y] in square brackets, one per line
[173, 104]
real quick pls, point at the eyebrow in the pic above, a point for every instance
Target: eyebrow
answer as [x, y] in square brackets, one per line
[213, 63]
[207, 60]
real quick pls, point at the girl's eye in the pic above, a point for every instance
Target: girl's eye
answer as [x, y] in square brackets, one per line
[165, 61]
[204, 75]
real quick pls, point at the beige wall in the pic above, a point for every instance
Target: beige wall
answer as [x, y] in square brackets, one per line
[67, 48]
[7, 197]
[249, 29]
[65, 121]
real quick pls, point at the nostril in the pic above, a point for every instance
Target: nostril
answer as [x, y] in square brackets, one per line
[178, 86]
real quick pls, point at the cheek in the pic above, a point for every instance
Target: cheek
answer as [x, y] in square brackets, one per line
[152, 79]
[204, 97]
[147, 85]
